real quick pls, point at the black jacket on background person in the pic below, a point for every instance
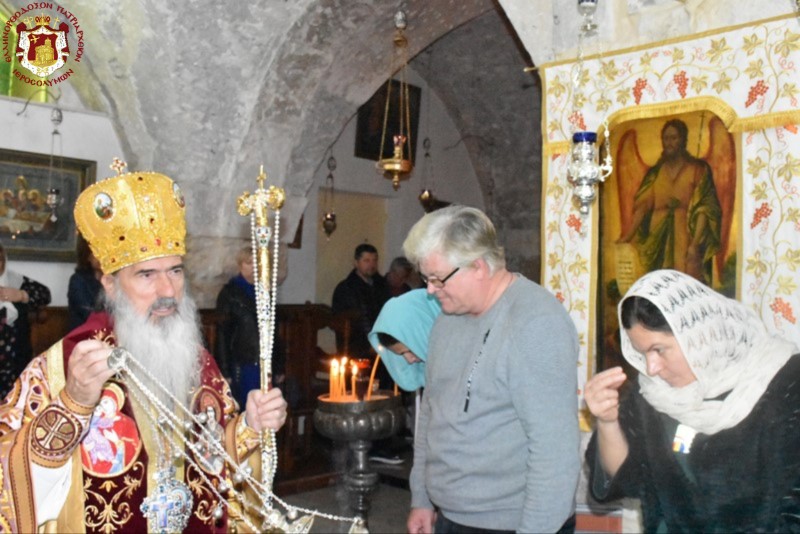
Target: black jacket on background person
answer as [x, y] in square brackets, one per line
[82, 294]
[237, 335]
[365, 300]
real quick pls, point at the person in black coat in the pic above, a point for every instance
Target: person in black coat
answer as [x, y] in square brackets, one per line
[361, 296]
[709, 441]
[84, 286]
[237, 348]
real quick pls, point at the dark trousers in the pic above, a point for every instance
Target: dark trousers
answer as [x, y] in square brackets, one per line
[445, 526]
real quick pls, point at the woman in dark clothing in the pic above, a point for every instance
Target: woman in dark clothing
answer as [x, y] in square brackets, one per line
[84, 286]
[237, 351]
[19, 295]
[709, 442]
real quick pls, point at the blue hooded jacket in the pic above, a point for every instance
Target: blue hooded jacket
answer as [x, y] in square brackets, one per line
[408, 318]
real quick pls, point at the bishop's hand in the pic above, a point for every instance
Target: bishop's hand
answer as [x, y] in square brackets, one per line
[265, 410]
[87, 371]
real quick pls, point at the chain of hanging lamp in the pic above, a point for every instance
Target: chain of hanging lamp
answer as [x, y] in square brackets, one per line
[585, 173]
[399, 165]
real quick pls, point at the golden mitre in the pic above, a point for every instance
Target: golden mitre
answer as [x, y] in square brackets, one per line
[131, 218]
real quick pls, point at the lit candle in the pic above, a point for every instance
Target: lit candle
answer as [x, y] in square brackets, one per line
[395, 389]
[343, 377]
[334, 380]
[372, 376]
[353, 373]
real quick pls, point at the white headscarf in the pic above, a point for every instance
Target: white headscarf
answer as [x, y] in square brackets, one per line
[725, 344]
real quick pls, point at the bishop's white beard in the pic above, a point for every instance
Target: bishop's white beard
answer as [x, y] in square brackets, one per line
[168, 347]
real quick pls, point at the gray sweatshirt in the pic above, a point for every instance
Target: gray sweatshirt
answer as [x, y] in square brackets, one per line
[508, 457]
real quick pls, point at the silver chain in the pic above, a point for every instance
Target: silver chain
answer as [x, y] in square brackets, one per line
[170, 419]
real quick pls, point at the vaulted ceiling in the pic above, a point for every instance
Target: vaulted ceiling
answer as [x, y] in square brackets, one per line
[207, 90]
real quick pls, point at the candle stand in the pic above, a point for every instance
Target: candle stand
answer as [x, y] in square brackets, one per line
[359, 423]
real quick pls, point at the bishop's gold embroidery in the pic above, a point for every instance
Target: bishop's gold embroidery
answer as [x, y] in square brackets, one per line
[55, 435]
[203, 496]
[110, 515]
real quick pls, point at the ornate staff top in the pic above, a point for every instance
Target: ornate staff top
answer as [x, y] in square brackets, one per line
[261, 200]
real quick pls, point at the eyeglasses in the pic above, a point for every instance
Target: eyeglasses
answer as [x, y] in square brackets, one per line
[436, 282]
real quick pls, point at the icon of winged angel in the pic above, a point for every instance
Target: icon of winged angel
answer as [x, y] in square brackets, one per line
[678, 212]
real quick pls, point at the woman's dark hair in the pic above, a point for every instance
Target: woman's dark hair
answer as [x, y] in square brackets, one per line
[84, 252]
[639, 310]
[386, 340]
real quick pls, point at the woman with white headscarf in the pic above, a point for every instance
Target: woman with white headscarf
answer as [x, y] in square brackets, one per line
[18, 295]
[710, 441]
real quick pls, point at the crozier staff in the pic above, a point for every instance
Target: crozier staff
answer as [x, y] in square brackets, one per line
[709, 439]
[76, 442]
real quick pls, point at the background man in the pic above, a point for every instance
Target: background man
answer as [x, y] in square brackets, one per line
[136, 228]
[497, 441]
[398, 276]
[362, 294]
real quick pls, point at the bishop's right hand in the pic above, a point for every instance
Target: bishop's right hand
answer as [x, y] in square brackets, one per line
[87, 371]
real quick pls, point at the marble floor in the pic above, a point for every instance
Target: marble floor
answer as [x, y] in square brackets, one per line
[387, 515]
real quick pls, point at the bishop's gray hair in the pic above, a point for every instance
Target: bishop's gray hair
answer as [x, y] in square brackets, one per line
[460, 234]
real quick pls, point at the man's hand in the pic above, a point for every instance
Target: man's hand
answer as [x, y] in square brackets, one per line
[420, 521]
[87, 371]
[265, 410]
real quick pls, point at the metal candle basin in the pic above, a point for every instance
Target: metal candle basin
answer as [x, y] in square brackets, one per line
[359, 423]
[380, 417]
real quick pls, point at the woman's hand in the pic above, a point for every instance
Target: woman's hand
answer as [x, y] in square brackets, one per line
[602, 398]
[10, 294]
[602, 394]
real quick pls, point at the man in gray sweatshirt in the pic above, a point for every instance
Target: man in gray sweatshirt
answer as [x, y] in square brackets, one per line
[497, 441]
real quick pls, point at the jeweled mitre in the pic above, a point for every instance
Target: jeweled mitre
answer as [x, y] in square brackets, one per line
[131, 218]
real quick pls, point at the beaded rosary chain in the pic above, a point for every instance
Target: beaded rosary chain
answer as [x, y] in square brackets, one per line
[124, 363]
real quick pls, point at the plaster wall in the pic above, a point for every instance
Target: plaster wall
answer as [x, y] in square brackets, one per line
[210, 261]
[549, 30]
[454, 180]
[86, 135]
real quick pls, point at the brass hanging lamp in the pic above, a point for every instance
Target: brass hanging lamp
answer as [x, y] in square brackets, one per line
[399, 165]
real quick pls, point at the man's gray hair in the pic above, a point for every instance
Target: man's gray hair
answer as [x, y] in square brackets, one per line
[460, 234]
